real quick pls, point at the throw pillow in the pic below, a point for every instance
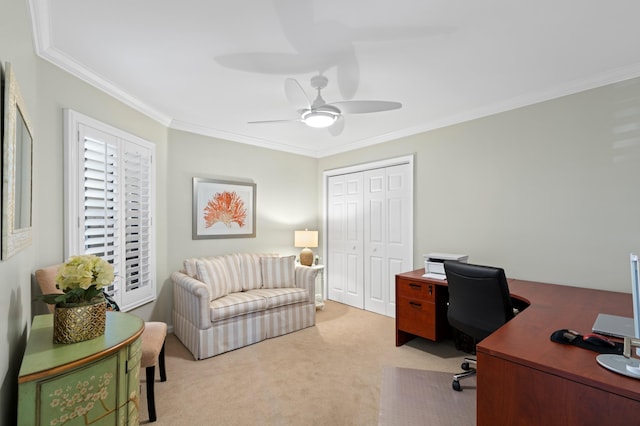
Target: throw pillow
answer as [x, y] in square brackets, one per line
[213, 273]
[278, 272]
[234, 269]
[251, 272]
[190, 267]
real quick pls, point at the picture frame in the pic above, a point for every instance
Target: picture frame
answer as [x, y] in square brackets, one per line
[223, 209]
[17, 164]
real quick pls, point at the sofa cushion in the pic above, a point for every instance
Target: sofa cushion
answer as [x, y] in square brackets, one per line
[278, 272]
[213, 273]
[234, 269]
[236, 304]
[282, 296]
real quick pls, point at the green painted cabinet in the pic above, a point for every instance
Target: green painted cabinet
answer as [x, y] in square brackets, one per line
[95, 382]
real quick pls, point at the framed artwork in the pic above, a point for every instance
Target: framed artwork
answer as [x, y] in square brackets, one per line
[17, 147]
[223, 209]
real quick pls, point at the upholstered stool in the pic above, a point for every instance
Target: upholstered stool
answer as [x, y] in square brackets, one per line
[153, 338]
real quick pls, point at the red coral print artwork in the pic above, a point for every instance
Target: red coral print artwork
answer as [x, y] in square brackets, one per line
[225, 207]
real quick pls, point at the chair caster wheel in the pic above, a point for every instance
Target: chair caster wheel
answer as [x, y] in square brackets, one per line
[465, 366]
[456, 386]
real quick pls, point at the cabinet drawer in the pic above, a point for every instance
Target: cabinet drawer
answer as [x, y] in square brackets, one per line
[417, 317]
[416, 290]
[135, 352]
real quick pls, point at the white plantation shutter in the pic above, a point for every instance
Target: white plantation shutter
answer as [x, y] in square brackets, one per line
[109, 180]
[101, 204]
[137, 219]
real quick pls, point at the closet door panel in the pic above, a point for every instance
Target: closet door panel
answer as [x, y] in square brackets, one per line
[344, 240]
[399, 192]
[375, 223]
[336, 238]
[354, 240]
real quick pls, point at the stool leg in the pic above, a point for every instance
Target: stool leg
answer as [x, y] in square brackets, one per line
[163, 372]
[151, 403]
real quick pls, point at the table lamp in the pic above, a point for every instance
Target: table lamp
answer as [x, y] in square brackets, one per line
[306, 239]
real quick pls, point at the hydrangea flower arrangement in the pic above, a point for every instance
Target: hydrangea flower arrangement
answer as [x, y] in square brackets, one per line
[81, 279]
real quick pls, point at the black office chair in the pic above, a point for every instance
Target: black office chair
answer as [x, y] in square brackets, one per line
[479, 303]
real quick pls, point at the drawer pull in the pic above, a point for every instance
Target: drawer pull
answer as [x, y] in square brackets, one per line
[415, 304]
[416, 286]
[430, 289]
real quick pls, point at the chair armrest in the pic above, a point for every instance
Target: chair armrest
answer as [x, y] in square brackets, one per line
[306, 278]
[191, 300]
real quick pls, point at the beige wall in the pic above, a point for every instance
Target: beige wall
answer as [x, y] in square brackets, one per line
[550, 192]
[286, 192]
[57, 91]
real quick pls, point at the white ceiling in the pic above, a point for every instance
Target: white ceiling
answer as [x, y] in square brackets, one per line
[211, 66]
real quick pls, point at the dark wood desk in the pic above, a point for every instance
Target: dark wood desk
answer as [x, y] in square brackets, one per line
[526, 379]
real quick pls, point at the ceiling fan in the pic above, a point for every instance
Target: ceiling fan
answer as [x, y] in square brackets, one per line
[319, 113]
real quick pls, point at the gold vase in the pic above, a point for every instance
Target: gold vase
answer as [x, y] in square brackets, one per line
[77, 323]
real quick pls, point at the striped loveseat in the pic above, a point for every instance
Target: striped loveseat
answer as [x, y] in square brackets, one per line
[225, 302]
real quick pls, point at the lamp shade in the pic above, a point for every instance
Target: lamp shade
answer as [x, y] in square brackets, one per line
[306, 238]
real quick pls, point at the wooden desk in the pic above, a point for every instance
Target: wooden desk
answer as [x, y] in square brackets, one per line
[525, 379]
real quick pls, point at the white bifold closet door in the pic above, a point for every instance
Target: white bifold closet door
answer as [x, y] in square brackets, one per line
[369, 236]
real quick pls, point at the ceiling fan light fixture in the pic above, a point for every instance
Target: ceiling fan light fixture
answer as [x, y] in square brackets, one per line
[319, 119]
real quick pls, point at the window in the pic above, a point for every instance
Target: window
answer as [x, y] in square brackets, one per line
[109, 201]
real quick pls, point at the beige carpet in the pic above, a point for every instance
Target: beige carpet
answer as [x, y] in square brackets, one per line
[413, 397]
[329, 374]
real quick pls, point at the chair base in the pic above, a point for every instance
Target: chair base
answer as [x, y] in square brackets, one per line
[151, 377]
[468, 371]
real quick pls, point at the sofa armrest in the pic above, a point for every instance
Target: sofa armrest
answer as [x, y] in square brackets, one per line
[306, 278]
[191, 300]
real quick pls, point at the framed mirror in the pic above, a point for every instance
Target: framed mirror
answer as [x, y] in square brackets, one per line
[17, 147]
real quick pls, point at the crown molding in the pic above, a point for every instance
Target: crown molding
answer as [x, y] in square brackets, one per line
[39, 11]
[234, 137]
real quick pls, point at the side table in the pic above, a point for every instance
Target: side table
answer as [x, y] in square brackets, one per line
[319, 286]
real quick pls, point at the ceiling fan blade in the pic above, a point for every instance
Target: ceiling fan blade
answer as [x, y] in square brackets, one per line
[273, 121]
[336, 128]
[363, 107]
[348, 75]
[296, 94]
[296, 18]
[269, 63]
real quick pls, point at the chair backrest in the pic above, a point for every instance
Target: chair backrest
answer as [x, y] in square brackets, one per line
[479, 299]
[46, 278]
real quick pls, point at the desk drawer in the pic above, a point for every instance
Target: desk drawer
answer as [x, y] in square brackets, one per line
[416, 290]
[417, 317]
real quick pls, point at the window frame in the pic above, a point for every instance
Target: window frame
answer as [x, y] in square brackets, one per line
[74, 203]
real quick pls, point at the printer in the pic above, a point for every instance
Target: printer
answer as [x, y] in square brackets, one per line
[434, 263]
